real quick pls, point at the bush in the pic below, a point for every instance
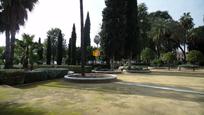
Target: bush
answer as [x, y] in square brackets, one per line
[189, 66]
[75, 68]
[34, 76]
[18, 77]
[53, 73]
[195, 57]
[11, 77]
[157, 63]
[147, 55]
[168, 57]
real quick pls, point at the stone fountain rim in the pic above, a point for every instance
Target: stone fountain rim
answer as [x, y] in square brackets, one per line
[105, 77]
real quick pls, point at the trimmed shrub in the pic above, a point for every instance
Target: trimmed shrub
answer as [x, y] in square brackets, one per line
[53, 73]
[157, 63]
[18, 77]
[188, 66]
[75, 68]
[12, 77]
[34, 76]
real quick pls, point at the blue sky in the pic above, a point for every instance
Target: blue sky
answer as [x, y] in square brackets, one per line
[63, 13]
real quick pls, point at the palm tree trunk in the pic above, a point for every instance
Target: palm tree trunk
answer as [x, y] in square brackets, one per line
[13, 38]
[82, 39]
[7, 51]
[183, 51]
[185, 46]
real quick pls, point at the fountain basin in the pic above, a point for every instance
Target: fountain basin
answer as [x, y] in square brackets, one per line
[91, 77]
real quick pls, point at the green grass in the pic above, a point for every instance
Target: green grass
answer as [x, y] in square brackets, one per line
[59, 97]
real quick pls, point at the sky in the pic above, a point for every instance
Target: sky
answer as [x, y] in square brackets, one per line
[62, 14]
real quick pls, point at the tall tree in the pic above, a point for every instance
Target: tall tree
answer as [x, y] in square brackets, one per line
[72, 47]
[40, 52]
[60, 48]
[132, 42]
[87, 38]
[49, 51]
[160, 14]
[87, 27]
[14, 15]
[144, 27]
[186, 22]
[196, 39]
[82, 39]
[113, 31]
[28, 47]
[54, 34]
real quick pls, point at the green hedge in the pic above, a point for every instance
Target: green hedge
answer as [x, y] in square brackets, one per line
[189, 66]
[34, 76]
[75, 68]
[11, 77]
[53, 73]
[17, 77]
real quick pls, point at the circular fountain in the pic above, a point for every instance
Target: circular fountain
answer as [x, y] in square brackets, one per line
[90, 77]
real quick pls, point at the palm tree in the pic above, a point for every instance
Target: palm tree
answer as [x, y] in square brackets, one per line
[158, 32]
[82, 38]
[27, 47]
[14, 14]
[187, 24]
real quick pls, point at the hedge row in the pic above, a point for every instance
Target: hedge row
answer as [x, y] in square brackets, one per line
[75, 68]
[17, 77]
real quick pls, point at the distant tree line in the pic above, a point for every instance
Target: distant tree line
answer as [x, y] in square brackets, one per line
[129, 31]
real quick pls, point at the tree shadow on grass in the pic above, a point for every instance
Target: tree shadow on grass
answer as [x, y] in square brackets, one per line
[115, 88]
[7, 108]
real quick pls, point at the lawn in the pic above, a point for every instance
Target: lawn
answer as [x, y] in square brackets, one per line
[59, 97]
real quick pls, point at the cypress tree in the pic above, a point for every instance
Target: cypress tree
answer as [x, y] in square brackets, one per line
[59, 48]
[113, 34]
[69, 52]
[40, 51]
[49, 47]
[72, 47]
[87, 28]
[87, 38]
[119, 32]
[132, 41]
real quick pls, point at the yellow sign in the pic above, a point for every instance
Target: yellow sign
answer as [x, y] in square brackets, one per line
[96, 53]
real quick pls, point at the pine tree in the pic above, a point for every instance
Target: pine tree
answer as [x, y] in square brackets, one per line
[49, 47]
[59, 48]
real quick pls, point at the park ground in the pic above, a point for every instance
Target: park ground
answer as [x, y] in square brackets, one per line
[59, 97]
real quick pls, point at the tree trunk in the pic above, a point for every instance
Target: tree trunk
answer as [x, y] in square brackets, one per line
[13, 34]
[7, 51]
[82, 39]
[184, 54]
[183, 51]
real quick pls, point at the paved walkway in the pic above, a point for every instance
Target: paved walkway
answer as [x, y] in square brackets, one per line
[161, 88]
